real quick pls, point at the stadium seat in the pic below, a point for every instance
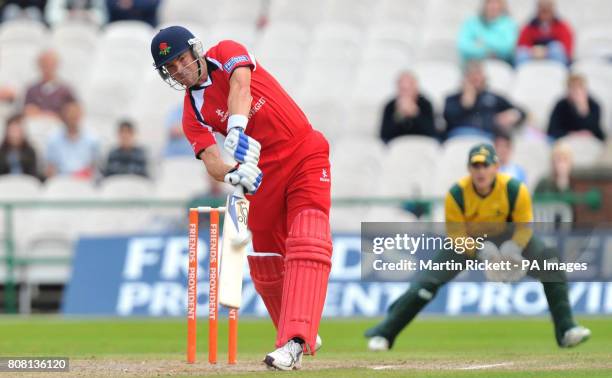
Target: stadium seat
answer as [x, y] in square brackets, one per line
[327, 117]
[439, 45]
[125, 219]
[76, 44]
[594, 42]
[452, 13]
[53, 230]
[538, 85]
[412, 13]
[243, 33]
[390, 34]
[181, 178]
[293, 37]
[410, 167]
[437, 80]
[500, 76]
[356, 164]
[20, 43]
[244, 12]
[353, 12]
[22, 31]
[533, 155]
[585, 150]
[521, 10]
[177, 12]
[305, 13]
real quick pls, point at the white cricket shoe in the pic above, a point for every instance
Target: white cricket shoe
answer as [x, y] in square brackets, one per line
[575, 336]
[378, 344]
[287, 357]
[317, 346]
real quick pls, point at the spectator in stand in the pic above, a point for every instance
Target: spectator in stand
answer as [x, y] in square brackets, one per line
[477, 111]
[127, 158]
[490, 34]
[545, 37]
[16, 9]
[562, 163]
[503, 146]
[72, 150]
[177, 144]
[577, 113]
[16, 154]
[47, 97]
[139, 10]
[92, 11]
[409, 113]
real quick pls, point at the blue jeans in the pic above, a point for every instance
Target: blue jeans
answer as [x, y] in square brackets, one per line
[556, 52]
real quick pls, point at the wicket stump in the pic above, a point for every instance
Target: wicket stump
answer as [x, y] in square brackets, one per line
[192, 293]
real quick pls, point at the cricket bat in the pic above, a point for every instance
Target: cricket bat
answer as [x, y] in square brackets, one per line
[236, 237]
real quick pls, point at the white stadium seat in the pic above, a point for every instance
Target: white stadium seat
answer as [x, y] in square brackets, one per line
[437, 80]
[354, 12]
[410, 167]
[538, 85]
[412, 13]
[306, 13]
[533, 155]
[500, 76]
[586, 150]
[180, 11]
[594, 42]
[245, 12]
[20, 43]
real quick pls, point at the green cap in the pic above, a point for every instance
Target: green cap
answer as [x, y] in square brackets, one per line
[483, 153]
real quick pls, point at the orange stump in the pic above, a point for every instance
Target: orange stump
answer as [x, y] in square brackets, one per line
[192, 286]
[232, 353]
[213, 304]
[213, 300]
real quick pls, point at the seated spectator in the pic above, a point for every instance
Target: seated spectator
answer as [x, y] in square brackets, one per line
[477, 111]
[72, 151]
[409, 113]
[503, 146]
[47, 97]
[545, 37]
[562, 162]
[139, 10]
[91, 11]
[127, 158]
[16, 9]
[177, 144]
[577, 113]
[491, 34]
[16, 154]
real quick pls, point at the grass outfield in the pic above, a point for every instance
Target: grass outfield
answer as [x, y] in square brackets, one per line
[434, 347]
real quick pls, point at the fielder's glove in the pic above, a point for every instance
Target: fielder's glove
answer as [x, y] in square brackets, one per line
[242, 147]
[510, 251]
[248, 175]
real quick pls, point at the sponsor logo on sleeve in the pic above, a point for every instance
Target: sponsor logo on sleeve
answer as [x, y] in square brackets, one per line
[229, 65]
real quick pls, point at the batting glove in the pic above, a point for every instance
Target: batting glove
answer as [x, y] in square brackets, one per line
[242, 147]
[248, 175]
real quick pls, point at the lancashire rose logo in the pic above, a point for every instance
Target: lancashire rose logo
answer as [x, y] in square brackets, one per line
[164, 49]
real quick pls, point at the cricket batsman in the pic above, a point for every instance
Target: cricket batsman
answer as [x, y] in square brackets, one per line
[283, 165]
[485, 200]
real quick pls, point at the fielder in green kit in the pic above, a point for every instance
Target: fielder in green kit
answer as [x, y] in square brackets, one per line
[491, 200]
